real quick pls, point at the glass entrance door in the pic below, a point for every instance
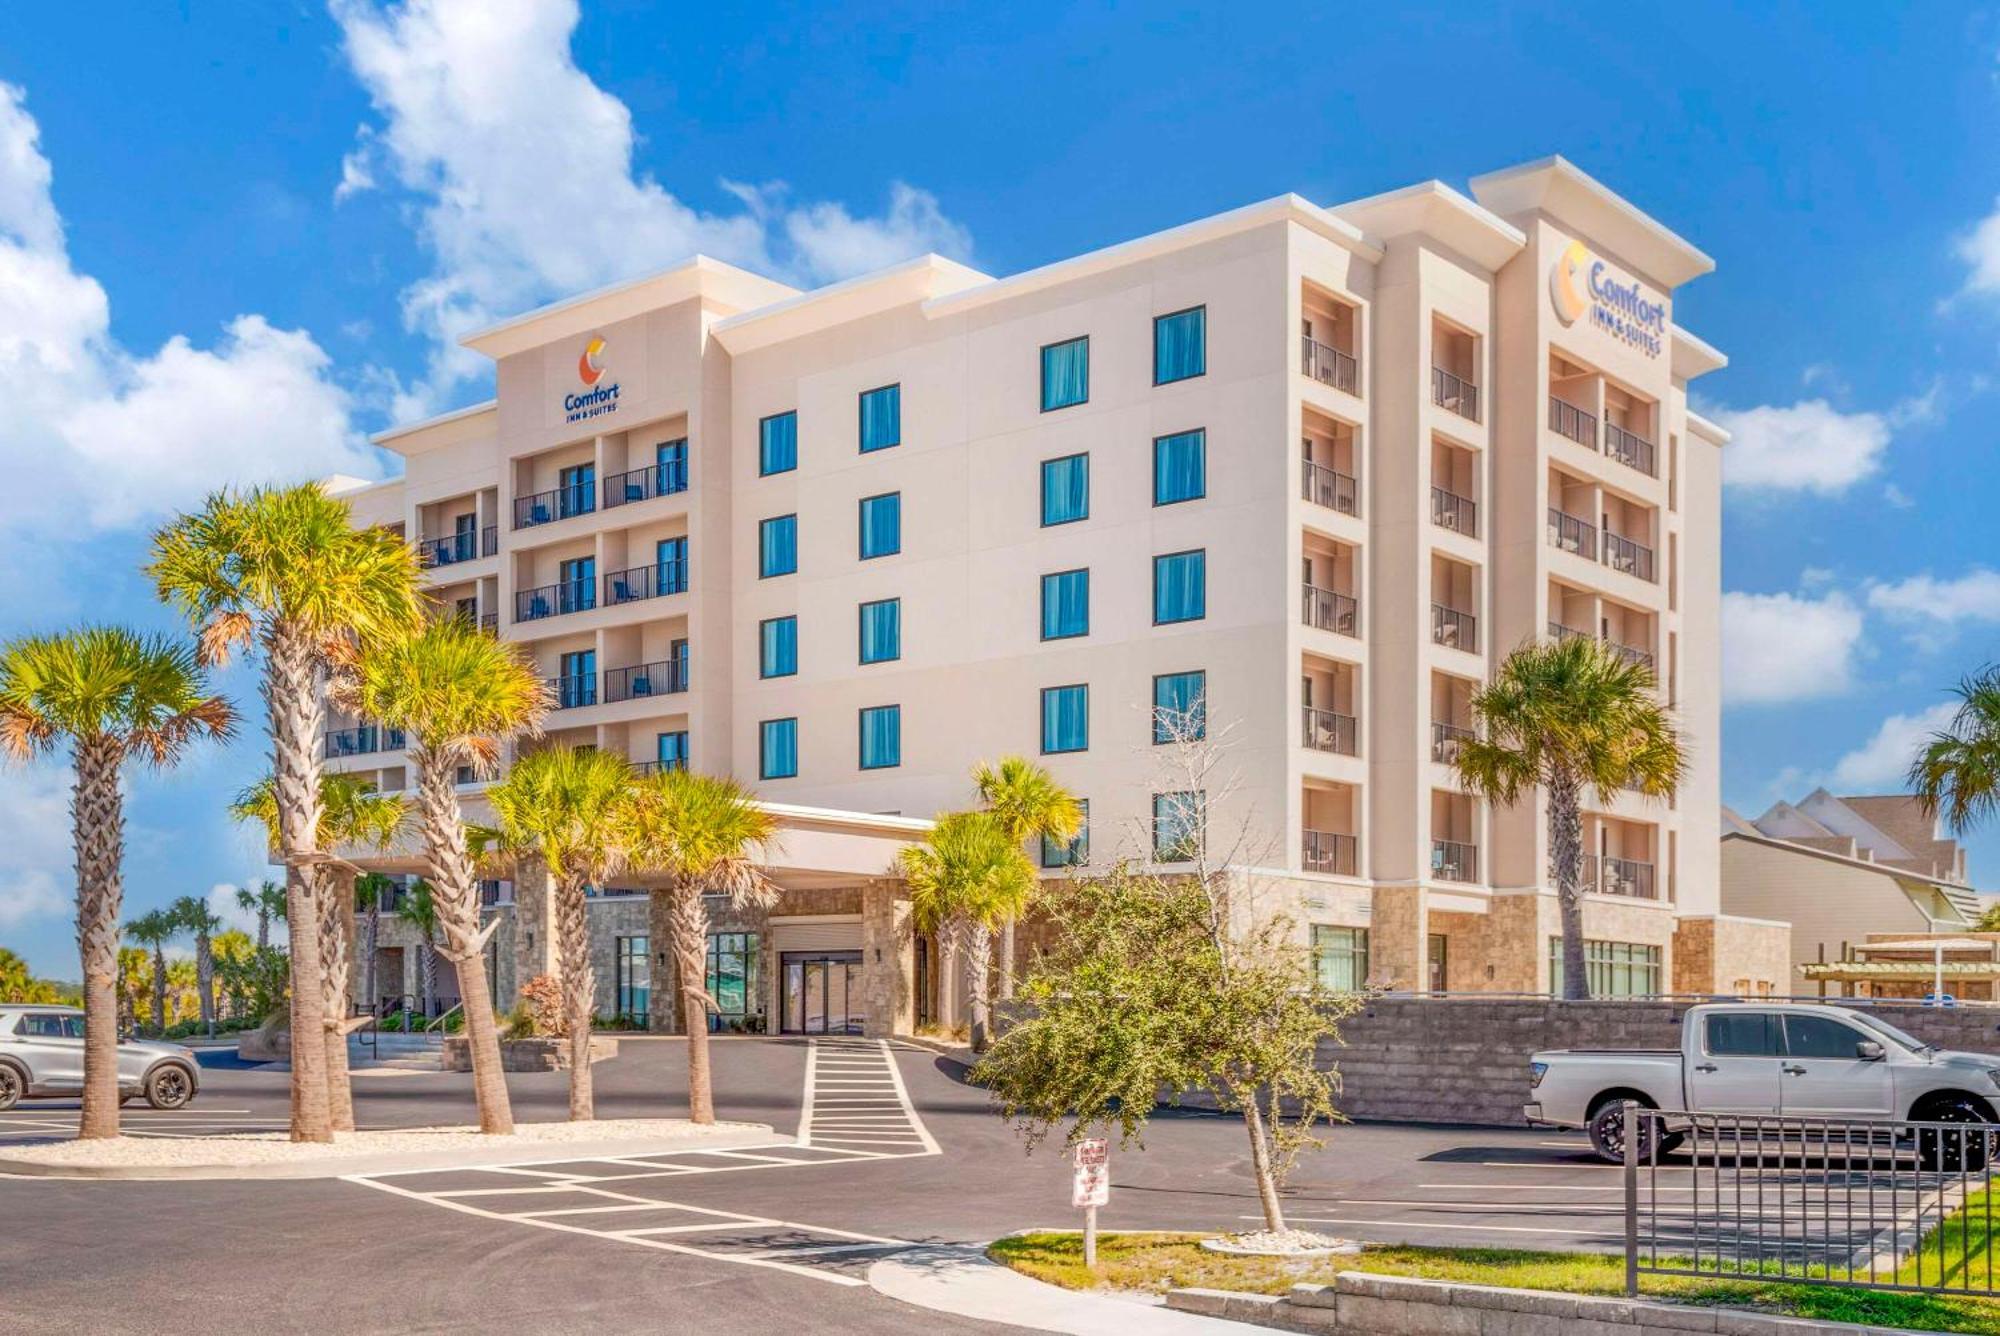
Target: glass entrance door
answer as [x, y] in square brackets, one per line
[823, 992]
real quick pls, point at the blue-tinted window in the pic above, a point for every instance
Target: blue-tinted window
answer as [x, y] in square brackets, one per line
[1180, 345]
[671, 459]
[1179, 823]
[1065, 605]
[577, 493]
[1065, 374]
[1180, 707]
[778, 444]
[578, 589]
[1180, 467]
[1180, 587]
[670, 557]
[882, 418]
[882, 631]
[1065, 719]
[1076, 852]
[778, 647]
[778, 546]
[778, 749]
[1065, 489]
[577, 683]
[881, 737]
[881, 525]
[673, 750]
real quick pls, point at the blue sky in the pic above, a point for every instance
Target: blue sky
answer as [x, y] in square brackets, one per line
[232, 244]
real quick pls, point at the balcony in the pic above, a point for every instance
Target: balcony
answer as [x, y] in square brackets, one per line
[1572, 534]
[1559, 632]
[1627, 448]
[557, 504]
[1329, 366]
[1445, 740]
[489, 622]
[1622, 554]
[665, 479]
[467, 546]
[646, 679]
[1454, 394]
[1329, 732]
[362, 741]
[1328, 851]
[656, 767]
[1329, 611]
[1631, 653]
[554, 600]
[1454, 629]
[1619, 876]
[1330, 488]
[642, 582]
[1453, 861]
[1566, 419]
[1449, 510]
[573, 693]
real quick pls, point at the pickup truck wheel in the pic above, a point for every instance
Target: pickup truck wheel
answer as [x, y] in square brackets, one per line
[1945, 1151]
[1607, 1134]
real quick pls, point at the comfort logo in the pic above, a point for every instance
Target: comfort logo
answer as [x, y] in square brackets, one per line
[1567, 282]
[590, 366]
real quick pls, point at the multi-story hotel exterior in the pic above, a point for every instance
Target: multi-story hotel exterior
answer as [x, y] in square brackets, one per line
[1319, 469]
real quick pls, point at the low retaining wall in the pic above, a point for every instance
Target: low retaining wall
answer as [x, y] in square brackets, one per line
[526, 1055]
[1368, 1305]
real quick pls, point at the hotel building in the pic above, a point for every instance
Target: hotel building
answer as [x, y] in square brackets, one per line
[1316, 468]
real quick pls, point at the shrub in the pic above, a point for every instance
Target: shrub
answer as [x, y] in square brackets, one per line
[542, 998]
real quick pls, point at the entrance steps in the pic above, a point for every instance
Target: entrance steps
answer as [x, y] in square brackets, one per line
[403, 1052]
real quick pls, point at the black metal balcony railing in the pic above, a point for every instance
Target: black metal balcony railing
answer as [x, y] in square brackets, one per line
[1330, 851]
[578, 498]
[1559, 632]
[1632, 653]
[1454, 861]
[1454, 394]
[1329, 611]
[554, 600]
[1330, 488]
[1329, 366]
[489, 540]
[1566, 419]
[489, 622]
[640, 582]
[573, 693]
[646, 679]
[1572, 534]
[1449, 510]
[644, 484]
[1326, 731]
[1445, 740]
[656, 767]
[1622, 554]
[1619, 876]
[1454, 629]
[432, 552]
[1629, 448]
[364, 740]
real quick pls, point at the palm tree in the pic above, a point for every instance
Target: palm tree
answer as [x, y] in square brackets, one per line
[19, 984]
[154, 930]
[1029, 804]
[420, 911]
[968, 876]
[457, 693]
[231, 951]
[135, 980]
[195, 917]
[1569, 716]
[112, 695]
[698, 832]
[565, 806]
[266, 901]
[285, 570]
[1956, 776]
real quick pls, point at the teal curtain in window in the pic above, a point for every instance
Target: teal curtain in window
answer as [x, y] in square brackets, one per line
[1065, 605]
[1180, 707]
[778, 444]
[778, 546]
[778, 749]
[1180, 467]
[1180, 345]
[673, 750]
[672, 461]
[1180, 587]
[882, 631]
[881, 737]
[881, 525]
[779, 651]
[1065, 719]
[1076, 852]
[882, 418]
[1065, 374]
[1065, 489]
[671, 557]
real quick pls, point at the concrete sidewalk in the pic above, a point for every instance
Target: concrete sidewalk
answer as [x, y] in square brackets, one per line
[964, 1282]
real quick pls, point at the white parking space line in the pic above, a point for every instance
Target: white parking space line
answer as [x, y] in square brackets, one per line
[1425, 1224]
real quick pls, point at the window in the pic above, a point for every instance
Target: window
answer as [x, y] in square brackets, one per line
[882, 631]
[1180, 467]
[1065, 605]
[882, 418]
[1612, 969]
[578, 490]
[778, 749]
[1065, 719]
[42, 1025]
[1180, 587]
[881, 737]
[732, 978]
[671, 458]
[670, 558]
[578, 590]
[1180, 707]
[1821, 1037]
[778, 647]
[1065, 374]
[672, 750]
[778, 444]
[1075, 853]
[577, 683]
[1180, 345]
[1340, 957]
[1179, 826]
[1065, 489]
[778, 546]
[881, 525]
[1744, 1034]
[635, 979]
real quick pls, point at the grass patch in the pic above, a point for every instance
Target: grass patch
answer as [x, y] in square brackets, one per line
[1159, 1262]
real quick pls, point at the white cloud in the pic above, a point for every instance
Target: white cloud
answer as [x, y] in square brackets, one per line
[524, 167]
[1980, 250]
[1897, 497]
[1787, 647]
[37, 877]
[1810, 446]
[1884, 760]
[1974, 597]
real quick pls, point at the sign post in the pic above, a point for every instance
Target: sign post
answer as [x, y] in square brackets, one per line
[1090, 1190]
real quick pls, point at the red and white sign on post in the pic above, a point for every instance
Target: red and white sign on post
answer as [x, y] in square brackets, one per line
[1091, 1189]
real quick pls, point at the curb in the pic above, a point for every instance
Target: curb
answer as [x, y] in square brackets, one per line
[966, 1282]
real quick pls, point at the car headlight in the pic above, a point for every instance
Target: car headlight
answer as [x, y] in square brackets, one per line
[1537, 1070]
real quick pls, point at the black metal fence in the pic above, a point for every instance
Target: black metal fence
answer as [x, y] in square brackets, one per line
[1826, 1201]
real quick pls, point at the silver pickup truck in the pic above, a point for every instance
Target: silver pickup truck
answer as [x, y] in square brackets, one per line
[1792, 1059]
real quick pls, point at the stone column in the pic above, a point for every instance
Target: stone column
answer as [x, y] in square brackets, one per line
[664, 1002]
[1398, 939]
[534, 921]
[950, 986]
[888, 960]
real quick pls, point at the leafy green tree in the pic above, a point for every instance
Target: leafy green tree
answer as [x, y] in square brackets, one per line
[154, 931]
[420, 911]
[195, 918]
[1029, 805]
[18, 983]
[135, 983]
[1570, 716]
[967, 877]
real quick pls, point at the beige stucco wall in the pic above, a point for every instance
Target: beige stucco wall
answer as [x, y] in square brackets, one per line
[1828, 902]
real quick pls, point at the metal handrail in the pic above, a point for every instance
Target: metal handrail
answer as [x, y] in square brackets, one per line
[1454, 629]
[1449, 510]
[443, 1017]
[656, 580]
[1629, 448]
[643, 484]
[1572, 534]
[1329, 487]
[641, 680]
[558, 503]
[1329, 365]
[1454, 393]
[1567, 419]
[1328, 611]
[1622, 554]
[1328, 731]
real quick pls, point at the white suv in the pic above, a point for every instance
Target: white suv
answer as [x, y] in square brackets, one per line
[41, 1057]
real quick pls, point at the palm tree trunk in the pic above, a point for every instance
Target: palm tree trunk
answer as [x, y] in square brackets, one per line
[689, 917]
[1566, 860]
[1260, 1164]
[978, 979]
[336, 934]
[263, 929]
[204, 980]
[1006, 987]
[159, 988]
[371, 949]
[297, 721]
[579, 990]
[427, 974]
[98, 819]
